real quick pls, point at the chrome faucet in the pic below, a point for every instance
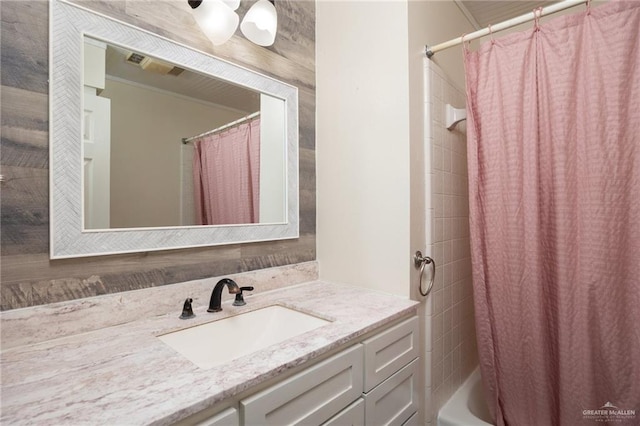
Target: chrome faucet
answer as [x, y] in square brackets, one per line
[216, 295]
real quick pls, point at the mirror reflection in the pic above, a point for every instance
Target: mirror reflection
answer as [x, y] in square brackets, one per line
[164, 146]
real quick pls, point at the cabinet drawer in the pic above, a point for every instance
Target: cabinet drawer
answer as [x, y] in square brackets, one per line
[353, 415]
[389, 351]
[312, 396]
[413, 421]
[229, 417]
[395, 400]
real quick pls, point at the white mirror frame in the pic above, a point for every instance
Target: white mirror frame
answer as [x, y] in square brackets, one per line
[69, 24]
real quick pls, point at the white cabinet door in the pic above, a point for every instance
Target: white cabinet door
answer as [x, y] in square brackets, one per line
[395, 400]
[310, 397]
[353, 415]
[96, 149]
[389, 351]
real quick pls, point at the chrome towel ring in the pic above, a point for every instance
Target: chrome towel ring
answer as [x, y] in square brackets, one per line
[420, 261]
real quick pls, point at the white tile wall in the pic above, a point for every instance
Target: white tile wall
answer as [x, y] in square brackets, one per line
[452, 350]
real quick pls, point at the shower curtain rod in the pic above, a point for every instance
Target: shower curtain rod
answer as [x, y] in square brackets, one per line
[430, 51]
[218, 129]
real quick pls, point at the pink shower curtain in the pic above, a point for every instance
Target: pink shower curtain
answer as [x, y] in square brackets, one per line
[226, 172]
[554, 181]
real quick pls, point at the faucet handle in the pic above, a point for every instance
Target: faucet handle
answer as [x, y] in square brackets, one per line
[239, 298]
[187, 310]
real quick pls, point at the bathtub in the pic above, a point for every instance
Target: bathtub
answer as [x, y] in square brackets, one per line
[467, 406]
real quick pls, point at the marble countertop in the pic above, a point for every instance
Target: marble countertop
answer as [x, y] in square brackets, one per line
[124, 374]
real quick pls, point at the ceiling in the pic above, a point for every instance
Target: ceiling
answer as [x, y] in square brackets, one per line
[485, 12]
[180, 81]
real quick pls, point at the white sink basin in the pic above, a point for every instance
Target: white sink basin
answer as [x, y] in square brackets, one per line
[219, 342]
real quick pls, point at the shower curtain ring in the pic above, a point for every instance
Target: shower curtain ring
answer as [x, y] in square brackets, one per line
[491, 35]
[588, 7]
[537, 13]
[465, 46]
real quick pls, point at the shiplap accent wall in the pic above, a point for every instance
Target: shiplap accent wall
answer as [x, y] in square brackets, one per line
[28, 276]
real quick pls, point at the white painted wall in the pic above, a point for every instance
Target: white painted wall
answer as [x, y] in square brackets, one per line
[362, 143]
[433, 22]
[147, 127]
[370, 115]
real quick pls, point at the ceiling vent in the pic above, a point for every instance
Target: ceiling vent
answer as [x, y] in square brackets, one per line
[153, 65]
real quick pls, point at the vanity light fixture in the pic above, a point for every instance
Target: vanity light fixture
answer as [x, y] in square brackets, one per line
[261, 23]
[216, 18]
[219, 21]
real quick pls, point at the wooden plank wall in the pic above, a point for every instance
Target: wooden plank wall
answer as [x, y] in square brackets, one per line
[28, 276]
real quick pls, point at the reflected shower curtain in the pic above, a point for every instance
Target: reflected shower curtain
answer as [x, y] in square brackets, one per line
[226, 172]
[554, 181]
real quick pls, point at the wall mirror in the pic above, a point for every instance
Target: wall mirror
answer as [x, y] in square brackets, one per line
[158, 146]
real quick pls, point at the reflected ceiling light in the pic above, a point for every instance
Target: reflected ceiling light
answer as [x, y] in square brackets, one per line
[216, 18]
[261, 23]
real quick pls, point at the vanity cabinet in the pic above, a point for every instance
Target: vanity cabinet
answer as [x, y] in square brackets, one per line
[394, 401]
[353, 415]
[390, 379]
[373, 382]
[389, 351]
[312, 396]
[229, 417]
